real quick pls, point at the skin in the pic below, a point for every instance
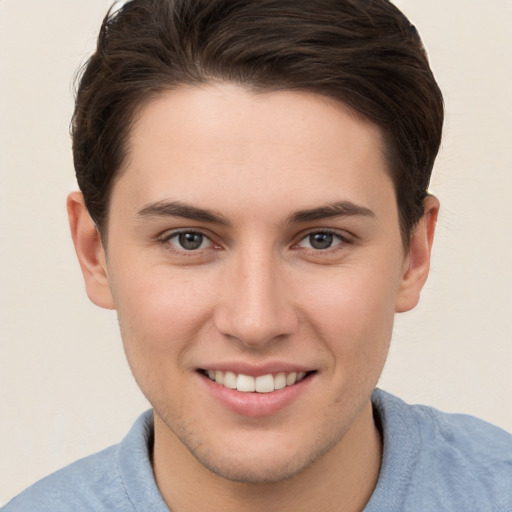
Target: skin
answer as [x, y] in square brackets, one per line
[257, 291]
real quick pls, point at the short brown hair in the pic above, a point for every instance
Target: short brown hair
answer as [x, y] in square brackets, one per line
[364, 53]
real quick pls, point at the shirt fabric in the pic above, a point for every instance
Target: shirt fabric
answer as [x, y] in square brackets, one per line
[432, 461]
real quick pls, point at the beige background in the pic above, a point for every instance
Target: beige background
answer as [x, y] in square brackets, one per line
[65, 389]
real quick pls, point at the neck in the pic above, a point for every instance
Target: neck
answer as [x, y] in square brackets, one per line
[342, 480]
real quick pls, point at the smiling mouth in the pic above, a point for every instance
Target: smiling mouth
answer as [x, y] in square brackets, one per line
[261, 384]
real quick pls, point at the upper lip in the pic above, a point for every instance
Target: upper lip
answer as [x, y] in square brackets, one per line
[255, 370]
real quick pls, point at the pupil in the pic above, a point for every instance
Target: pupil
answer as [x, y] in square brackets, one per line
[191, 241]
[320, 240]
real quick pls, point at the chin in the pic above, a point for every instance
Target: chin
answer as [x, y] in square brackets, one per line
[262, 465]
[256, 472]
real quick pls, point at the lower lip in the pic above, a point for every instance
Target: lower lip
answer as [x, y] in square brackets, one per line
[255, 405]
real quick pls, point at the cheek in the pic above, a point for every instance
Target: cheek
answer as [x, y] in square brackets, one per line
[159, 312]
[354, 312]
[160, 317]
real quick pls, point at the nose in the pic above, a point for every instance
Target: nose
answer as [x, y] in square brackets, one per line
[256, 305]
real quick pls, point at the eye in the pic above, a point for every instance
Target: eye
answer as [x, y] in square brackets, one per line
[189, 241]
[321, 240]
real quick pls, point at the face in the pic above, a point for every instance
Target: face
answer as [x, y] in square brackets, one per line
[255, 260]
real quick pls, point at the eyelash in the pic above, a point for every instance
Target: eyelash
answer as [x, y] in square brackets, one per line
[342, 240]
[165, 240]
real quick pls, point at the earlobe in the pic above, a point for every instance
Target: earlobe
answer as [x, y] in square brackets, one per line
[418, 260]
[90, 252]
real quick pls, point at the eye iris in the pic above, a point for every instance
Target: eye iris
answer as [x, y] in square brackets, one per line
[190, 241]
[321, 240]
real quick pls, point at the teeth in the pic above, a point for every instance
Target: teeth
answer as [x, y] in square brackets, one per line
[280, 381]
[219, 377]
[291, 379]
[245, 383]
[230, 380]
[262, 384]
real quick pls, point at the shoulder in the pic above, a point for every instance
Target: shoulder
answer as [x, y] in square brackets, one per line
[79, 486]
[469, 435]
[119, 478]
[445, 459]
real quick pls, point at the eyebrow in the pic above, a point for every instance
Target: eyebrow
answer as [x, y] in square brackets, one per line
[337, 209]
[179, 209]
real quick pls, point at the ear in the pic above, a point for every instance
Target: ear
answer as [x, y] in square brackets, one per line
[417, 263]
[90, 252]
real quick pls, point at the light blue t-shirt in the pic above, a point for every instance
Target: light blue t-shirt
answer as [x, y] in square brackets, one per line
[432, 462]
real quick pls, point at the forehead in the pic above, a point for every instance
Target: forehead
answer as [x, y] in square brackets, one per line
[217, 142]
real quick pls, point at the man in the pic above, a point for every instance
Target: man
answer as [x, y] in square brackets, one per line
[254, 205]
